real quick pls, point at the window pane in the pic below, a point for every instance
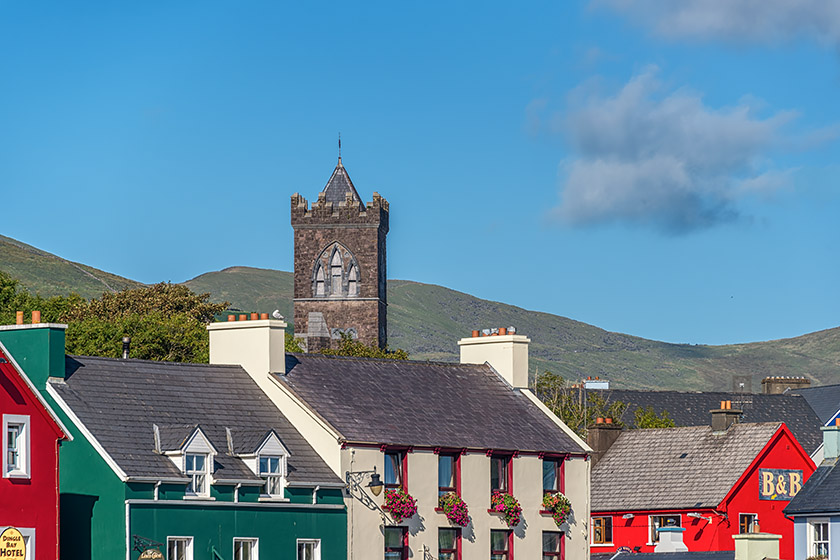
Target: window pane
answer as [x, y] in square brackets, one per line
[549, 475]
[393, 556]
[498, 473]
[498, 540]
[393, 468]
[446, 538]
[446, 471]
[306, 551]
[199, 462]
[393, 537]
[551, 541]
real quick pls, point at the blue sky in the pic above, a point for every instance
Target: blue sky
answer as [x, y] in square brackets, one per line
[667, 170]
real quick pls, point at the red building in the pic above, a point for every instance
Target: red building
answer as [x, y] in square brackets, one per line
[711, 481]
[29, 486]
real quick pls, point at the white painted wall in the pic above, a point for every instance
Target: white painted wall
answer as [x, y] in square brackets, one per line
[365, 526]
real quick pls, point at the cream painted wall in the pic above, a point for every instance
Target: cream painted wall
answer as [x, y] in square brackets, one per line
[508, 354]
[365, 525]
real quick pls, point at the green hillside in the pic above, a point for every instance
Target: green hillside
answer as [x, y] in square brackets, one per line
[50, 275]
[427, 320]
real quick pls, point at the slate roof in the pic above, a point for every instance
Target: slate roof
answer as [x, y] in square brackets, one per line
[821, 494]
[401, 402]
[825, 400]
[670, 468]
[692, 409]
[339, 185]
[699, 555]
[119, 401]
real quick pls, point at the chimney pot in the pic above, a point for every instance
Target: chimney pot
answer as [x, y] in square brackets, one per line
[126, 349]
[255, 316]
[723, 405]
[608, 420]
[36, 317]
[231, 317]
[243, 317]
[263, 316]
[475, 334]
[502, 331]
[18, 317]
[599, 420]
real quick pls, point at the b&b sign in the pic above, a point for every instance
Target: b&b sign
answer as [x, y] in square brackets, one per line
[779, 484]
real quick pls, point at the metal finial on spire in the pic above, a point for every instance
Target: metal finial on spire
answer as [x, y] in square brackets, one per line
[339, 147]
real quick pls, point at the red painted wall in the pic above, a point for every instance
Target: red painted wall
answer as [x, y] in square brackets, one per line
[781, 452]
[33, 502]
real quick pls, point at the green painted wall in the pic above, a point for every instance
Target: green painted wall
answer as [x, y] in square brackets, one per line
[92, 499]
[214, 528]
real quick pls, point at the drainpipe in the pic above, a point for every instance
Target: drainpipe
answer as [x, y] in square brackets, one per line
[315, 495]
[236, 492]
[157, 490]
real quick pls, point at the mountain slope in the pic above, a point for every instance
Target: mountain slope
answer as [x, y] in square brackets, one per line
[50, 275]
[427, 320]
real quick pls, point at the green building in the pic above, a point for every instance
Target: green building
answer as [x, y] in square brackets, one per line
[179, 461]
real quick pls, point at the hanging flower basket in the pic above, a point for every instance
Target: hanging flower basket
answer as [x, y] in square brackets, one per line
[455, 508]
[559, 506]
[508, 506]
[400, 504]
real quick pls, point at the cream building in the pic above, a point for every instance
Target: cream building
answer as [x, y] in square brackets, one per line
[428, 429]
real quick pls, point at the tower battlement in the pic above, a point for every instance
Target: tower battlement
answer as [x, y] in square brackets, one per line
[347, 211]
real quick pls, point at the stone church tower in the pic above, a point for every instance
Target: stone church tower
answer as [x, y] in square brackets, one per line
[340, 265]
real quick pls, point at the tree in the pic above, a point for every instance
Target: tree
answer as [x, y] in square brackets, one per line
[292, 345]
[571, 403]
[165, 321]
[646, 417]
[352, 347]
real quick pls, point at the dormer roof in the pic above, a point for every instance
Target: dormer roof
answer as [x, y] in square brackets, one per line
[245, 441]
[339, 186]
[183, 438]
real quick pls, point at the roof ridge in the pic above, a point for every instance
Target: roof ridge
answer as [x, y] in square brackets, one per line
[386, 360]
[161, 362]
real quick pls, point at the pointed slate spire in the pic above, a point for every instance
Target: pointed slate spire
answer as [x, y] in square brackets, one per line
[339, 185]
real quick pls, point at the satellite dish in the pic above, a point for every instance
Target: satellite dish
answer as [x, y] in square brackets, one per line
[276, 314]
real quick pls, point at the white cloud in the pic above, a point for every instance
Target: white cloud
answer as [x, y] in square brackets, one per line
[646, 156]
[736, 20]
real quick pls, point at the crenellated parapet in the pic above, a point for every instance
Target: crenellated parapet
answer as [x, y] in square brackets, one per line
[349, 211]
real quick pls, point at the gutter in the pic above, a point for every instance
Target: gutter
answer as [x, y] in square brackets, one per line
[211, 503]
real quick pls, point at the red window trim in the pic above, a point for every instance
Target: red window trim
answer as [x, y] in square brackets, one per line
[560, 471]
[510, 543]
[508, 457]
[562, 554]
[404, 551]
[458, 546]
[403, 463]
[456, 468]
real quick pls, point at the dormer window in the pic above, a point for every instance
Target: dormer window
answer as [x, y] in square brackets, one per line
[272, 469]
[188, 448]
[195, 467]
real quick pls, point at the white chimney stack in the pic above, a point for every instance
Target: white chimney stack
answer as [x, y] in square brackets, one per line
[756, 546]
[506, 353]
[670, 540]
[258, 345]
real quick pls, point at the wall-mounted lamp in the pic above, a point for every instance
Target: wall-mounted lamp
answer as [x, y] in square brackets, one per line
[375, 484]
[354, 480]
[695, 515]
[628, 516]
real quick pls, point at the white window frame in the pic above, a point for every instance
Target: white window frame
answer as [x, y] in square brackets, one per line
[205, 492]
[28, 535]
[188, 549]
[280, 476]
[812, 541]
[740, 515]
[653, 533]
[316, 542]
[255, 547]
[24, 445]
